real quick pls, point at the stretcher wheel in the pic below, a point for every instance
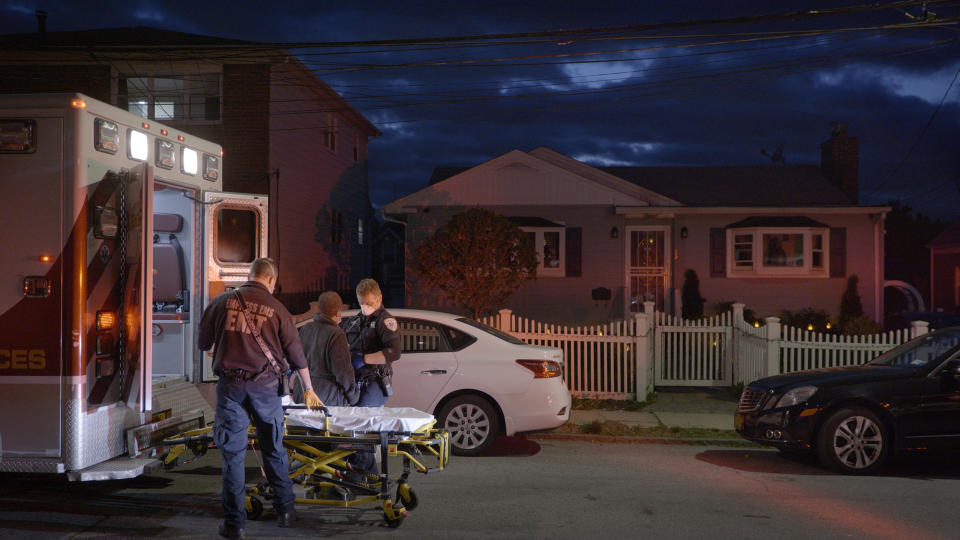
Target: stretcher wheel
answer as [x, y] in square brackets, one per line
[407, 496]
[254, 507]
[392, 523]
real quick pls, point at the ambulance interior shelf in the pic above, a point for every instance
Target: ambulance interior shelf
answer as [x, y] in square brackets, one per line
[171, 298]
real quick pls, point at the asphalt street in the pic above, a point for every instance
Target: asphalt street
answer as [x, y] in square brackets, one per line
[535, 489]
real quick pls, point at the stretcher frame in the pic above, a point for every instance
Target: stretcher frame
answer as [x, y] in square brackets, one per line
[318, 462]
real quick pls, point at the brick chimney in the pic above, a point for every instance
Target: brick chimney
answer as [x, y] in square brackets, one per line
[840, 160]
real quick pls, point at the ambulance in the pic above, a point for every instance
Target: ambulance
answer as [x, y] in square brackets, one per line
[115, 234]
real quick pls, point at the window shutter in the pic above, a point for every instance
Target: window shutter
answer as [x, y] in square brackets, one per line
[718, 252]
[838, 251]
[574, 250]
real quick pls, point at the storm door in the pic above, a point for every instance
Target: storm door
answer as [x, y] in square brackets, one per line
[648, 267]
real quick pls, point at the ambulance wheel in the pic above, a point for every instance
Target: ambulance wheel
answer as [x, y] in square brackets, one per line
[472, 422]
[407, 496]
[254, 507]
[392, 523]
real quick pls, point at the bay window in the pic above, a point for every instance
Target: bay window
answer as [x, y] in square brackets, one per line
[777, 251]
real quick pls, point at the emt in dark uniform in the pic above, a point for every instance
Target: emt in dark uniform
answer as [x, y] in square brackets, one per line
[328, 354]
[249, 387]
[374, 345]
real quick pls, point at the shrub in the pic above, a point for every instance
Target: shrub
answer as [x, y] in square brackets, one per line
[805, 318]
[850, 304]
[860, 325]
[691, 300]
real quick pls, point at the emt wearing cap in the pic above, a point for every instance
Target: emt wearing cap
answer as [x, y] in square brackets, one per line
[249, 387]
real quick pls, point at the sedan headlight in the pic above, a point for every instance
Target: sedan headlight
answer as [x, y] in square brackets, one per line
[797, 395]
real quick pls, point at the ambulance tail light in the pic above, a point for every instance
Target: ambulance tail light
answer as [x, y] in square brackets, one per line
[542, 369]
[105, 320]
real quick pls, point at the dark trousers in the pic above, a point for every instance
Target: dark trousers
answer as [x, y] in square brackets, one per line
[237, 402]
[370, 396]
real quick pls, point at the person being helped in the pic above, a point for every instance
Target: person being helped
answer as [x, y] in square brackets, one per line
[328, 354]
[374, 345]
[249, 386]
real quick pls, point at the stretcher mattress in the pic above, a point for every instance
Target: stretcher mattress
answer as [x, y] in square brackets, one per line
[349, 420]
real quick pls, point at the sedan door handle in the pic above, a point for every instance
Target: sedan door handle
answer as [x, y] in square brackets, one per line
[433, 371]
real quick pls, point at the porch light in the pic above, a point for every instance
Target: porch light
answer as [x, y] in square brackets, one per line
[829, 326]
[756, 324]
[810, 327]
[684, 232]
[614, 233]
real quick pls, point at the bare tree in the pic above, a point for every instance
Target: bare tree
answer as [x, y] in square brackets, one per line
[478, 258]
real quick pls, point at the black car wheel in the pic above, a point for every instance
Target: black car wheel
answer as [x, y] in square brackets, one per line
[472, 422]
[853, 441]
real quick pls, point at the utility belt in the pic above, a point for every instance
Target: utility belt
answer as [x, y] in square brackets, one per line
[378, 375]
[239, 375]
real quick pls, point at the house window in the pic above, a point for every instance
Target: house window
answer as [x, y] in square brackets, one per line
[180, 98]
[549, 243]
[777, 252]
[330, 133]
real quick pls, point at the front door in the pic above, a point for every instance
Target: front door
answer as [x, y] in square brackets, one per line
[648, 267]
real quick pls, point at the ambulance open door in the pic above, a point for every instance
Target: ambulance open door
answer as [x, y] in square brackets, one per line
[235, 233]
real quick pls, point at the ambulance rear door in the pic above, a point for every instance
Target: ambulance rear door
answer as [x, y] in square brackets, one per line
[235, 233]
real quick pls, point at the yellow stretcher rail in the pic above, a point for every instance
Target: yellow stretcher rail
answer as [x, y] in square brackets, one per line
[318, 464]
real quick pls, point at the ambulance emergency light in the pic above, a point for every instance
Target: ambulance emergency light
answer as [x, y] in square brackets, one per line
[137, 145]
[166, 154]
[188, 161]
[211, 167]
[106, 136]
[18, 136]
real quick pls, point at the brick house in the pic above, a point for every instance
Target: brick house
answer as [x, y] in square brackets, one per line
[284, 132]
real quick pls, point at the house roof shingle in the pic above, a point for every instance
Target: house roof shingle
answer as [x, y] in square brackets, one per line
[762, 185]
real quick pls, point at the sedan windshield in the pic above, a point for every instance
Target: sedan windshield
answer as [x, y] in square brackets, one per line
[492, 331]
[921, 351]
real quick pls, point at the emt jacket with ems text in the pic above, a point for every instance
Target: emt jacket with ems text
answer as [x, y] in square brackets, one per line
[222, 325]
[327, 352]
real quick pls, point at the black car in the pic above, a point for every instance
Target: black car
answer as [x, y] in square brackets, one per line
[854, 418]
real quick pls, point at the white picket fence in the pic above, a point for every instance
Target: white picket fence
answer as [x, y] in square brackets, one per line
[615, 359]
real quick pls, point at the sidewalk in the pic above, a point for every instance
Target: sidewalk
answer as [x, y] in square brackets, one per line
[707, 408]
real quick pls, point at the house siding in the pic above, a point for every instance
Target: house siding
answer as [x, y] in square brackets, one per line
[768, 296]
[320, 190]
[568, 300]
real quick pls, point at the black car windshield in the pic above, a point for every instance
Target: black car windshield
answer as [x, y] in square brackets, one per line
[921, 351]
[492, 331]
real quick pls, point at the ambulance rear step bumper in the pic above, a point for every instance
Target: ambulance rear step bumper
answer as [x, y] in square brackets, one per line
[118, 468]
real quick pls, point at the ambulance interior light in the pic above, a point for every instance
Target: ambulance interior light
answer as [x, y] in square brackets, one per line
[137, 145]
[188, 161]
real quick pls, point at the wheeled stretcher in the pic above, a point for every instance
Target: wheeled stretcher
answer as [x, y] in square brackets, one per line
[318, 444]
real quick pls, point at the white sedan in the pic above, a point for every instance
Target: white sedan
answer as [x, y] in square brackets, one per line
[478, 381]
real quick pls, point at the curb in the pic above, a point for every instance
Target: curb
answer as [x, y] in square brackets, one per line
[585, 437]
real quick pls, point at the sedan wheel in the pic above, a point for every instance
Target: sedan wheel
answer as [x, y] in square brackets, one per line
[472, 422]
[853, 441]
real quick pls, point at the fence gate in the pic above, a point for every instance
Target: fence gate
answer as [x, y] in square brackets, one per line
[693, 353]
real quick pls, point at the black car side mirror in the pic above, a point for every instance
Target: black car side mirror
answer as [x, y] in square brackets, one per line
[952, 369]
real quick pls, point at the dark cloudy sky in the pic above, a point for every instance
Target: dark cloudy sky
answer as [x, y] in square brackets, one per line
[702, 94]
